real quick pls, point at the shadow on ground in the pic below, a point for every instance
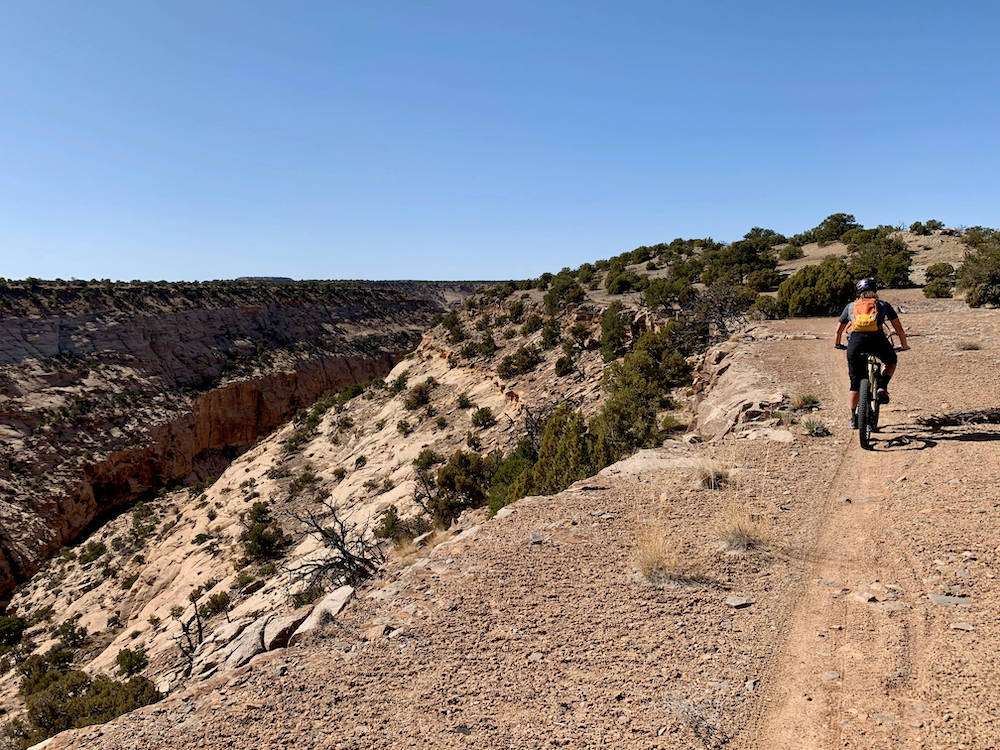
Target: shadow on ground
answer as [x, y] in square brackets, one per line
[928, 432]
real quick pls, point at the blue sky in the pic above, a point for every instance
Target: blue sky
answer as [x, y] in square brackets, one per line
[193, 140]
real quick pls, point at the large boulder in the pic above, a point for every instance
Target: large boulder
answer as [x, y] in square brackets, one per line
[248, 644]
[327, 608]
[279, 628]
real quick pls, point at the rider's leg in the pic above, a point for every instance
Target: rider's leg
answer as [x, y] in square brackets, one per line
[888, 356]
[856, 364]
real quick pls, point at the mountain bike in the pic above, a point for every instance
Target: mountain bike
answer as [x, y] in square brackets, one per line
[868, 401]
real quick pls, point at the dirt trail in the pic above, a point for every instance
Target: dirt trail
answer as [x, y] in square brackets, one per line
[861, 664]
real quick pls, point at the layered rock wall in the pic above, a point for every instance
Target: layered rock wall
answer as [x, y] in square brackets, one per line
[110, 392]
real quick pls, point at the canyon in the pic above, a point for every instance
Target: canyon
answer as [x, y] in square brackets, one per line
[111, 391]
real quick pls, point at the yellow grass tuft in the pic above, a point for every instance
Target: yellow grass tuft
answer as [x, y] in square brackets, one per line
[711, 475]
[738, 531]
[660, 559]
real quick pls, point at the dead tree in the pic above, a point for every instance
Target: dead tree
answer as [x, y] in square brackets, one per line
[348, 556]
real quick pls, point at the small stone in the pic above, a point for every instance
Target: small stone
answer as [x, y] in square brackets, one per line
[946, 600]
[830, 676]
[281, 671]
[536, 537]
[966, 626]
[738, 602]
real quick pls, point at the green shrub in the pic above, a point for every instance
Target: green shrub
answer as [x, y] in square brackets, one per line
[768, 308]
[822, 289]
[216, 604]
[510, 480]
[550, 333]
[70, 634]
[71, 699]
[668, 292]
[262, 537]
[637, 387]
[11, 630]
[92, 551]
[464, 402]
[620, 281]
[397, 529]
[734, 263]
[483, 417]
[938, 289]
[940, 271]
[132, 661]
[979, 274]
[563, 291]
[452, 323]
[791, 252]
[399, 383]
[887, 260]
[531, 324]
[613, 331]
[404, 428]
[564, 366]
[463, 482]
[831, 229]
[564, 455]
[815, 428]
[486, 346]
[764, 280]
[515, 310]
[419, 395]
[522, 361]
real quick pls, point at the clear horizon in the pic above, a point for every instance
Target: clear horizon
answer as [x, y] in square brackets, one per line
[446, 141]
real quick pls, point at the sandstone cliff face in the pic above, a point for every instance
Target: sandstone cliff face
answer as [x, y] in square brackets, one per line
[110, 391]
[355, 457]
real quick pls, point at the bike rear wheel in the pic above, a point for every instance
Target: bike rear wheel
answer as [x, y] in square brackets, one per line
[865, 414]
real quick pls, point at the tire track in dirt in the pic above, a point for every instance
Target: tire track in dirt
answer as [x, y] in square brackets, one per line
[852, 670]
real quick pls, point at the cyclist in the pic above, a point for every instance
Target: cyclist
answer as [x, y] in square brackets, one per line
[863, 319]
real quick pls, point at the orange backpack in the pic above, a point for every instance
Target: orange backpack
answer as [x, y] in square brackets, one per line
[865, 318]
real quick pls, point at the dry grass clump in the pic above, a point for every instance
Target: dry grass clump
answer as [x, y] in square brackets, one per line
[407, 550]
[805, 401]
[816, 428]
[739, 532]
[969, 346]
[711, 474]
[661, 560]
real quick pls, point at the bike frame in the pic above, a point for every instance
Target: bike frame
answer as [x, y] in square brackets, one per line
[869, 406]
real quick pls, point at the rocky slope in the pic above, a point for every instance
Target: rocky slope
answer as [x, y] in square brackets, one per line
[125, 585]
[816, 595]
[112, 391]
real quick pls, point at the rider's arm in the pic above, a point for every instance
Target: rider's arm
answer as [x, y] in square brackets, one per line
[840, 332]
[900, 333]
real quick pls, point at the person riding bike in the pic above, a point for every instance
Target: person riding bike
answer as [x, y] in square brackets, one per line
[863, 319]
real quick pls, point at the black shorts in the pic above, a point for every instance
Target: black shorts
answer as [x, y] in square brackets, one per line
[859, 346]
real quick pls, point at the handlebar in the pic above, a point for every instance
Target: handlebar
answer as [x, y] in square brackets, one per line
[842, 347]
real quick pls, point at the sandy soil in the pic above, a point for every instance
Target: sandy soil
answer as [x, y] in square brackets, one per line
[536, 631]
